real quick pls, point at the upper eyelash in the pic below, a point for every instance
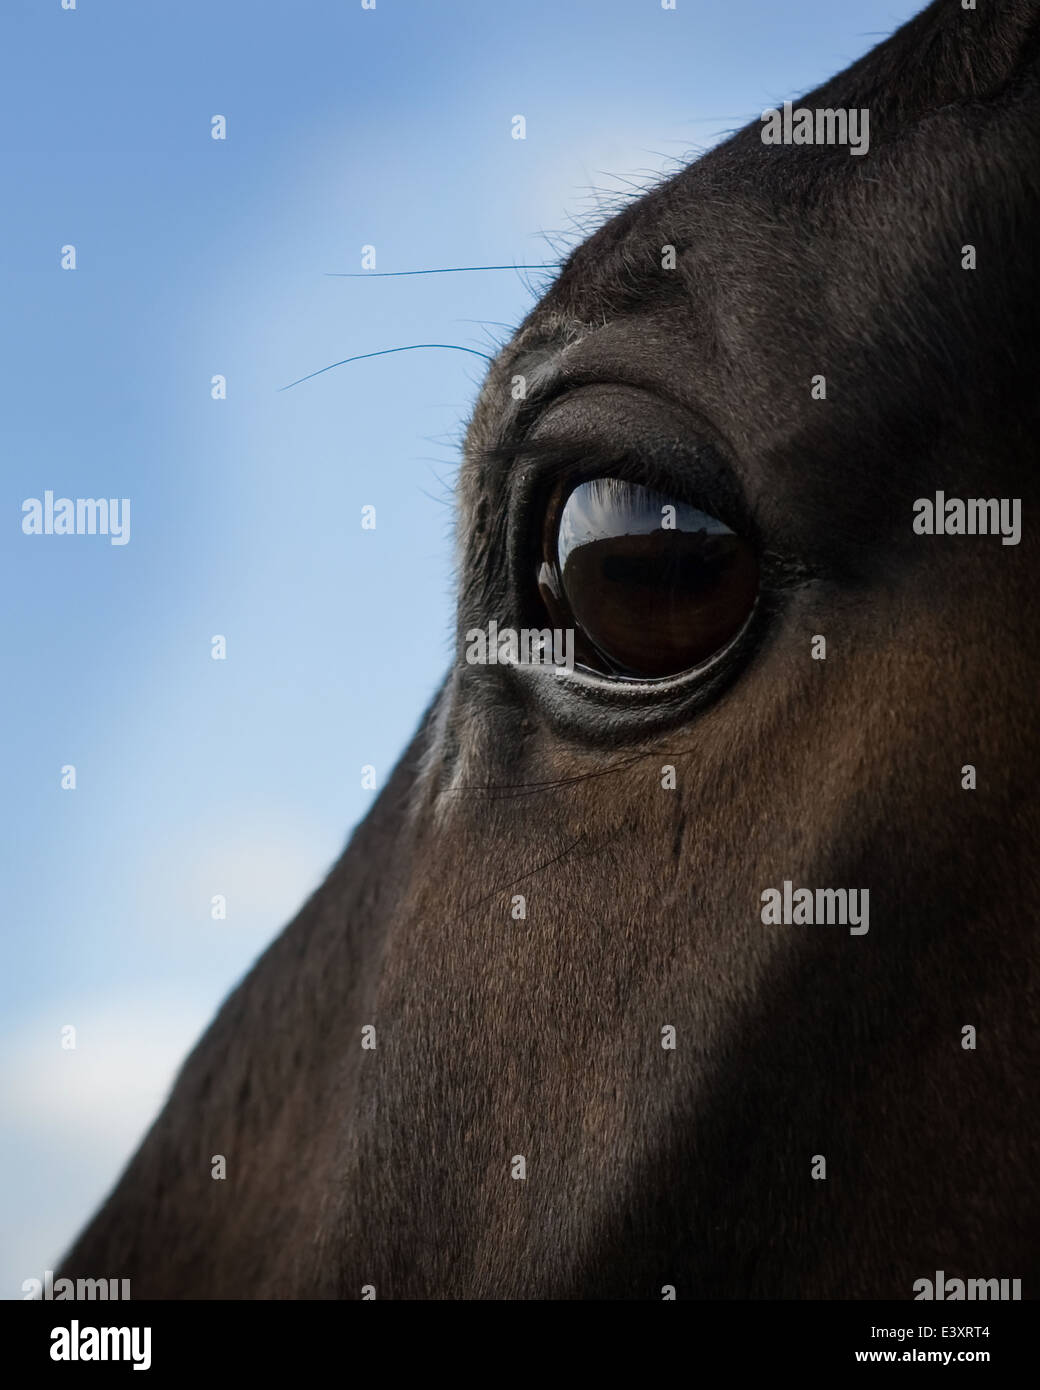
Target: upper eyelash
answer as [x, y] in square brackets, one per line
[696, 476]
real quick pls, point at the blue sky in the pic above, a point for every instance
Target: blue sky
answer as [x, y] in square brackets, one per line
[198, 257]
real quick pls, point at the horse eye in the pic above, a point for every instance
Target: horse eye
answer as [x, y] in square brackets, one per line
[650, 586]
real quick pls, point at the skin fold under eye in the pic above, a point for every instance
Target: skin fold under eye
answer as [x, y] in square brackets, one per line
[650, 585]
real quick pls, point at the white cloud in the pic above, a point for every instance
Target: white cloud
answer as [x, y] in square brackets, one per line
[72, 1118]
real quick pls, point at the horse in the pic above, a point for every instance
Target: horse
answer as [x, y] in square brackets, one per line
[570, 1018]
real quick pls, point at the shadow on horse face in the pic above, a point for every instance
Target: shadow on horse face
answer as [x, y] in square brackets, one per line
[600, 1068]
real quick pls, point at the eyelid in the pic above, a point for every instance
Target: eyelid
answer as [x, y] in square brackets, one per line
[626, 430]
[692, 474]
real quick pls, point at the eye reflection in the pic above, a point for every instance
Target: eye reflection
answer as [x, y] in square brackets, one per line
[652, 586]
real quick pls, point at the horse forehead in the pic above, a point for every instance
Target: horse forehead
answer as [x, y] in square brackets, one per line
[721, 267]
[793, 263]
[790, 217]
[676, 252]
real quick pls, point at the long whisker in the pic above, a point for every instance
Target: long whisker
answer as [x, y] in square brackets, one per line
[538, 868]
[517, 789]
[386, 352]
[440, 270]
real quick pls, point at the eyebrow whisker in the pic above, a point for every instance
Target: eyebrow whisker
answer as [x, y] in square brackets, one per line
[439, 270]
[386, 352]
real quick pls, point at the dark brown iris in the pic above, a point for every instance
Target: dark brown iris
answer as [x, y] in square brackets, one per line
[651, 587]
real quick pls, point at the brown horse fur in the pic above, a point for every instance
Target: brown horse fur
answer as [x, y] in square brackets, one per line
[542, 1037]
